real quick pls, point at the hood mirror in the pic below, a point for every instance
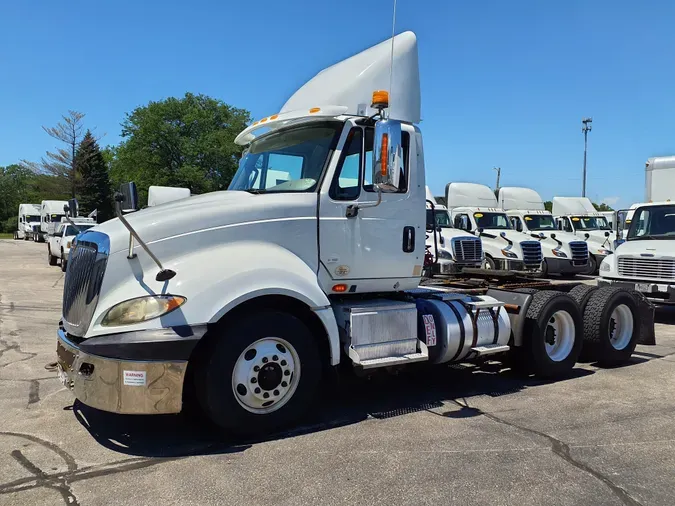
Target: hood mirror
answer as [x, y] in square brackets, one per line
[128, 197]
[72, 209]
[502, 234]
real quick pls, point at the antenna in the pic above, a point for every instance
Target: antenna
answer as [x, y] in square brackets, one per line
[391, 63]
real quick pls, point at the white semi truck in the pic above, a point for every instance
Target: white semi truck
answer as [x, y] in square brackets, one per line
[244, 299]
[564, 253]
[450, 249]
[28, 221]
[474, 208]
[51, 214]
[578, 216]
[646, 260]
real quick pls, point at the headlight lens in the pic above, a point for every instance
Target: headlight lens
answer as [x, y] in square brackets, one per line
[445, 254]
[604, 251]
[509, 254]
[559, 253]
[604, 266]
[141, 309]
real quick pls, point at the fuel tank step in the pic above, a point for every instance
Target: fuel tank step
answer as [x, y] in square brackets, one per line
[490, 349]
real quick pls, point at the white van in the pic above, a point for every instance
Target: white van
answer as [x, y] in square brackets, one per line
[28, 221]
[51, 213]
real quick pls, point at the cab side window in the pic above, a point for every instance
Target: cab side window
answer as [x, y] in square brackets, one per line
[462, 222]
[346, 183]
[517, 224]
[367, 176]
[567, 226]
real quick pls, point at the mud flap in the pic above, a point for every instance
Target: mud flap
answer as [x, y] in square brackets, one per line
[646, 312]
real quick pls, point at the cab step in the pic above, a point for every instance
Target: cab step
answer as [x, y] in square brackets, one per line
[490, 349]
[391, 361]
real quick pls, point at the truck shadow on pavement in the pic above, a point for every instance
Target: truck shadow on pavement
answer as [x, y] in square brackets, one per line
[348, 400]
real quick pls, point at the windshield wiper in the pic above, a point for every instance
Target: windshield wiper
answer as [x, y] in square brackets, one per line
[255, 191]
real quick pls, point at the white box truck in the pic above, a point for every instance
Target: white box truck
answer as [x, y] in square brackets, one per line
[449, 249]
[51, 214]
[659, 178]
[474, 208]
[28, 221]
[244, 299]
[564, 253]
[578, 216]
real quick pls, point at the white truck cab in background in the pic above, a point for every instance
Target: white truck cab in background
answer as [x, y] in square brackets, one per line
[564, 253]
[51, 214]
[451, 249]
[474, 208]
[578, 216]
[28, 221]
[60, 242]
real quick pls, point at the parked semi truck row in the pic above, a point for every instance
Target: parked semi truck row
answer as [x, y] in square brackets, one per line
[244, 299]
[28, 221]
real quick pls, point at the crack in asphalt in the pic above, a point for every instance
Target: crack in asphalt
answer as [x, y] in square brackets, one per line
[15, 347]
[559, 448]
[61, 481]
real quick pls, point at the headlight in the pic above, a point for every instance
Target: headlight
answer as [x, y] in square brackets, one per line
[141, 309]
[604, 266]
[559, 253]
[68, 244]
[444, 254]
[509, 254]
[604, 251]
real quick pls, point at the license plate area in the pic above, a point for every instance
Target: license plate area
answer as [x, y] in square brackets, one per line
[644, 287]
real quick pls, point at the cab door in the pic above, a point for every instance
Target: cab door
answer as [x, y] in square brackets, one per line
[382, 243]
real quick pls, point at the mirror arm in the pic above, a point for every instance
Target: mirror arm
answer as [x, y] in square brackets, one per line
[353, 210]
[67, 211]
[163, 274]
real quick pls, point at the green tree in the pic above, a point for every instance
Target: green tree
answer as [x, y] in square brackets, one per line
[548, 205]
[186, 142]
[602, 207]
[93, 183]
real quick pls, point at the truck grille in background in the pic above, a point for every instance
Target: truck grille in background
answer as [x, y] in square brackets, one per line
[86, 266]
[531, 253]
[467, 249]
[579, 250]
[652, 268]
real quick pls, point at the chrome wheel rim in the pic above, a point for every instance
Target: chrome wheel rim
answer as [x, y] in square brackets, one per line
[266, 375]
[621, 327]
[559, 336]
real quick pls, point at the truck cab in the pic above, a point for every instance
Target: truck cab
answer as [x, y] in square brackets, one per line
[645, 261]
[451, 249]
[563, 252]
[28, 221]
[51, 214]
[474, 209]
[60, 242]
[576, 215]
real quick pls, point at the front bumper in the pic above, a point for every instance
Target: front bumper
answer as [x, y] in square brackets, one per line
[444, 266]
[515, 265]
[660, 293]
[566, 266]
[131, 373]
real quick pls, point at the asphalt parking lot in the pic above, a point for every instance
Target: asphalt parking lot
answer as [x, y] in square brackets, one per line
[446, 435]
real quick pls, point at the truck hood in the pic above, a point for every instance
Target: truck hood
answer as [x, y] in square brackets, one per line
[660, 248]
[598, 237]
[202, 212]
[512, 235]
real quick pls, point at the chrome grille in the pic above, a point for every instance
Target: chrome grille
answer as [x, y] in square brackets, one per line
[531, 253]
[579, 250]
[467, 249]
[86, 267]
[650, 268]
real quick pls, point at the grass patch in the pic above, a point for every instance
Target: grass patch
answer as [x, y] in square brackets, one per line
[8, 235]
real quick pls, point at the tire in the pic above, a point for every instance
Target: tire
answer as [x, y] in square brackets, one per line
[227, 359]
[64, 262]
[581, 294]
[51, 258]
[489, 263]
[552, 335]
[592, 269]
[611, 326]
[544, 269]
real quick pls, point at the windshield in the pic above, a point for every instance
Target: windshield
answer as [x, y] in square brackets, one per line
[33, 219]
[56, 218]
[491, 220]
[539, 222]
[442, 219]
[654, 222]
[590, 223]
[288, 161]
[70, 230]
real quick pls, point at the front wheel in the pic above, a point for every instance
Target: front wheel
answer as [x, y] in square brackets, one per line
[260, 374]
[64, 262]
[51, 258]
[489, 263]
[592, 266]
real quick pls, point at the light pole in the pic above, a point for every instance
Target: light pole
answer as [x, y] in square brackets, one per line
[499, 173]
[587, 127]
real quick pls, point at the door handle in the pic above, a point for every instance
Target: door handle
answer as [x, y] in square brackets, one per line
[408, 239]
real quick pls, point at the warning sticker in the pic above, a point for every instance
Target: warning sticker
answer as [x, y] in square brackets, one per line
[429, 329]
[134, 378]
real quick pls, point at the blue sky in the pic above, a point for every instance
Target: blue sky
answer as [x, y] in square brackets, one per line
[503, 83]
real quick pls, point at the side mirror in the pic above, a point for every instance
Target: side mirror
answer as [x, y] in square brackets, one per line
[587, 235]
[479, 230]
[502, 234]
[72, 208]
[128, 197]
[606, 234]
[387, 155]
[552, 236]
